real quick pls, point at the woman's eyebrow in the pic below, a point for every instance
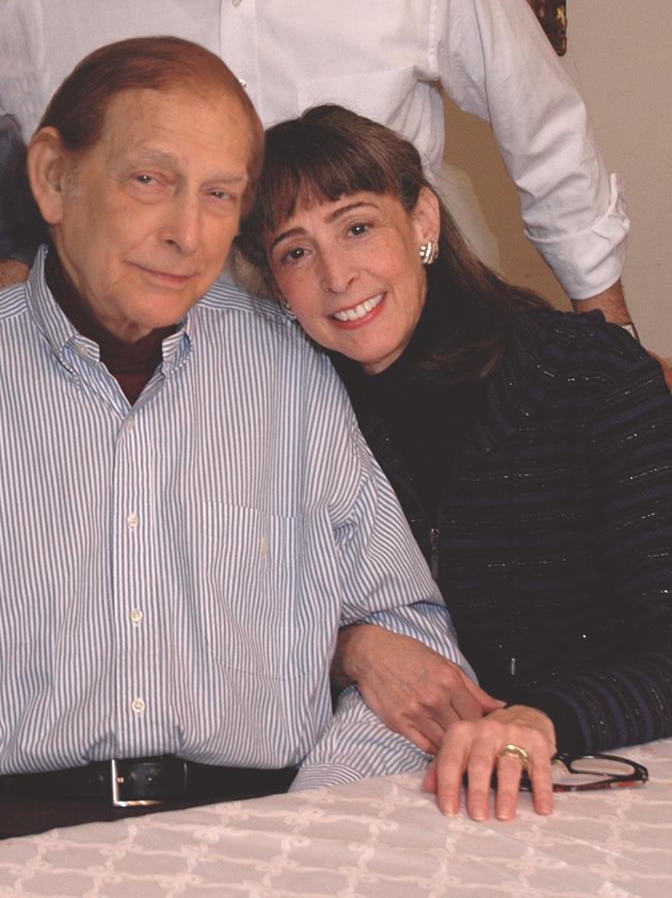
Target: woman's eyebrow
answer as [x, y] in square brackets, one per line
[330, 219]
[342, 210]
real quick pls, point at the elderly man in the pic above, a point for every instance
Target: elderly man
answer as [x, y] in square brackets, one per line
[190, 511]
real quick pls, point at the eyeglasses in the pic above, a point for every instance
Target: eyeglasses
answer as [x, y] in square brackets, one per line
[598, 771]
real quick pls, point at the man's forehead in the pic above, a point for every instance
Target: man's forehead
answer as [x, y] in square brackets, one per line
[143, 122]
[134, 103]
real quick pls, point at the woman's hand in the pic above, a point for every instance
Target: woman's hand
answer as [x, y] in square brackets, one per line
[414, 690]
[475, 748]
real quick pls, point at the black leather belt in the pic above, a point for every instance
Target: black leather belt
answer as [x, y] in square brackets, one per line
[129, 782]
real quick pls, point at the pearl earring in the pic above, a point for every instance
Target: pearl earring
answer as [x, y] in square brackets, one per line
[287, 309]
[429, 252]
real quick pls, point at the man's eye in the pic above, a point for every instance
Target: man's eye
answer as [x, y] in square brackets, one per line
[221, 194]
[293, 255]
[145, 179]
[358, 229]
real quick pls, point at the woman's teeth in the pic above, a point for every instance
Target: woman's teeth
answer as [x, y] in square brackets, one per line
[358, 311]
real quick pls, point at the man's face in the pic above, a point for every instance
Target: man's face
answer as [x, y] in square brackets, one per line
[149, 213]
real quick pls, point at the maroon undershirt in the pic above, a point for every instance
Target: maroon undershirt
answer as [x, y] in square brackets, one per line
[131, 364]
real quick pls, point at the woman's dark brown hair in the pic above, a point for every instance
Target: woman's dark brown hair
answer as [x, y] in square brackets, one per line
[330, 152]
[77, 109]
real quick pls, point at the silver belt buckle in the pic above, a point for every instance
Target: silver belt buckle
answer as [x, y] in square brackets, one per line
[117, 782]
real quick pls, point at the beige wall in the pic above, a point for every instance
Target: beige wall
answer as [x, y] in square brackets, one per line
[620, 57]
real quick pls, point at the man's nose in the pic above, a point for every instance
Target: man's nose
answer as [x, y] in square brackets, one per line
[182, 223]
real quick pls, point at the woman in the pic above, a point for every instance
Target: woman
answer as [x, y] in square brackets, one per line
[531, 450]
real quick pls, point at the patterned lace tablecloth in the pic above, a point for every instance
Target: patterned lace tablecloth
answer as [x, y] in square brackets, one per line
[381, 838]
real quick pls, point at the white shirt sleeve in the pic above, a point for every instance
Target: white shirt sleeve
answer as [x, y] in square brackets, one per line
[494, 61]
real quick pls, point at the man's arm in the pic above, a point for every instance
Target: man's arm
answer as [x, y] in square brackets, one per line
[495, 62]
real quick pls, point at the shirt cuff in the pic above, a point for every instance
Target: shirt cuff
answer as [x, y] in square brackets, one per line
[592, 260]
[324, 775]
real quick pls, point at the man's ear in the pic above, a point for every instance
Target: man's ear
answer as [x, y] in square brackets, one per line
[47, 165]
[427, 216]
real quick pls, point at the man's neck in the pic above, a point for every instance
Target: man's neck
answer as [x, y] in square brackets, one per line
[131, 364]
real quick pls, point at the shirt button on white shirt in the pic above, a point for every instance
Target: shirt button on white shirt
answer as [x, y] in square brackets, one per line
[132, 520]
[137, 615]
[138, 706]
[130, 425]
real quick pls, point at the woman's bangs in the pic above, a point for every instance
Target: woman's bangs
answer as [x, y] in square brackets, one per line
[320, 178]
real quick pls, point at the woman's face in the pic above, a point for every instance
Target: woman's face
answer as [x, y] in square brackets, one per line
[352, 274]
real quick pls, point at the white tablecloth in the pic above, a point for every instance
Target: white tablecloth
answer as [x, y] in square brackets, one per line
[381, 838]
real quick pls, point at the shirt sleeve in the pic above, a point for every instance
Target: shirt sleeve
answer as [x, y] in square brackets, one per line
[494, 61]
[356, 745]
[625, 698]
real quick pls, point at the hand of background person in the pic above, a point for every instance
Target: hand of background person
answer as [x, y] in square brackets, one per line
[666, 365]
[611, 303]
[12, 272]
[473, 748]
[415, 691]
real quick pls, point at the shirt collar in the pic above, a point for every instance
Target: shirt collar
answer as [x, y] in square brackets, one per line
[62, 333]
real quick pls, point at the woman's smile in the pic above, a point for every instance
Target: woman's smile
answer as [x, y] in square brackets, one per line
[356, 314]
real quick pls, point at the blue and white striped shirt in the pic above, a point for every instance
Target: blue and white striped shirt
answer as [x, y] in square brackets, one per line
[173, 574]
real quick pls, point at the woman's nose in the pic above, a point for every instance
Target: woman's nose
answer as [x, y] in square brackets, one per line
[337, 271]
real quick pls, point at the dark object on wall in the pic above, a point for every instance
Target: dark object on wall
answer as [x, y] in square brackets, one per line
[553, 17]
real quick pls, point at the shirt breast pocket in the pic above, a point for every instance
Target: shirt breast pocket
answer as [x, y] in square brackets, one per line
[249, 595]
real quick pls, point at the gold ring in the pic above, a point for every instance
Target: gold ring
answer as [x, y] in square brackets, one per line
[515, 751]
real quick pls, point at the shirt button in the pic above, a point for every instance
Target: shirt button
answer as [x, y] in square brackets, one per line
[130, 424]
[136, 615]
[132, 520]
[138, 706]
[236, 2]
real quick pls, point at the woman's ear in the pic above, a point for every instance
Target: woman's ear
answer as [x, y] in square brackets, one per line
[426, 216]
[47, 165]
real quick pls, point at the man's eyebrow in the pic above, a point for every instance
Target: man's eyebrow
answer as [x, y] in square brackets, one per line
[330, 219]
[146, 156]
